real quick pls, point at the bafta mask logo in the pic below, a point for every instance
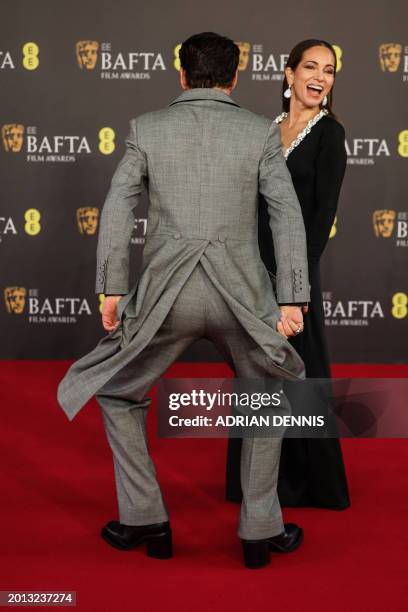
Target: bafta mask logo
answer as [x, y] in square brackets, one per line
[14, 298]
[390, 56]
[244, 49]
[383, 221]
[87, 219]
[87, 54]
[13, 135]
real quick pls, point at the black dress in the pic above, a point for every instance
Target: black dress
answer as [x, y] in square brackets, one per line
[311, 470]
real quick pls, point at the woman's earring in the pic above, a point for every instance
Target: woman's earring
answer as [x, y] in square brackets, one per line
[288, 92]
[324, 101]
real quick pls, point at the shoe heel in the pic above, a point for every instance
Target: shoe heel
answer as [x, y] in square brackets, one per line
[256, 554]
[160, 546]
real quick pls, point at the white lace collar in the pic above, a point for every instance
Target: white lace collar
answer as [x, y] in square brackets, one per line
[304, 132]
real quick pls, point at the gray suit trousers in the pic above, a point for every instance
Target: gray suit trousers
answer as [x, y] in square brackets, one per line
[199, 311]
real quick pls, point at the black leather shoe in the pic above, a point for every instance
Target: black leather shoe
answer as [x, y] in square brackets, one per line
[257, 552]
[288, 540]
[158, 537]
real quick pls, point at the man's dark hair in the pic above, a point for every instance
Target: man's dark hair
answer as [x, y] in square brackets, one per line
[210, 60]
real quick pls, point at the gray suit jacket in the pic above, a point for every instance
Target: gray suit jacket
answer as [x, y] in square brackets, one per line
[203, 160]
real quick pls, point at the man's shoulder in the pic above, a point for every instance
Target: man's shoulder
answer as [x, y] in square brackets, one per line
[243, 113]
[149, 117]
[248, 124]
[259, 120]
[262, 128]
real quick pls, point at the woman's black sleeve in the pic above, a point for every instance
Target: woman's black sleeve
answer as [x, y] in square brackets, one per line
[330, 168]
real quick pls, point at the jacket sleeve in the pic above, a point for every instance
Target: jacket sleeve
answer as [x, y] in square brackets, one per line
[285, 221]
[330, 168]
[117, 218]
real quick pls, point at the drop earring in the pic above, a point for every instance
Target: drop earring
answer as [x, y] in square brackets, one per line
[324, 102]
[288, 92]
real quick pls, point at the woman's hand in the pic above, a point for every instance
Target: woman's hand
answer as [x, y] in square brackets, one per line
[109, 312]
[291, 321]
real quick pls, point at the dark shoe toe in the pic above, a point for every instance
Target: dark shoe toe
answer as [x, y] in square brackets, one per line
[126, 537]
[113, 527]
[112, 533]
[288, 540]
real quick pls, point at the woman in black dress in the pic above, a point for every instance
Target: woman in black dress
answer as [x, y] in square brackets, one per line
[311, 470]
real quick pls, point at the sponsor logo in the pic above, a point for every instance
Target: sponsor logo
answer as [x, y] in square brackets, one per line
[45, 148]
[357, 312]
[333, 230]
[176, 61]
[87, 219]
[390, 223]
[393, 58]
[87, 54]
[383, 222]
[339, 57]
[267, 66]
[14, 299]
[32, 218]
[30, 58]
[12, 136]
[244, 51]
[7, 226]
[20, 301]
[107, 140]
[32, 225]
[112, 65]
[365, 151]
[390, 56]
[403, 143]
[270, 66]
[399, 308]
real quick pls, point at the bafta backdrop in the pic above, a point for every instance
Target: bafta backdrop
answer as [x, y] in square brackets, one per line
[74, 73]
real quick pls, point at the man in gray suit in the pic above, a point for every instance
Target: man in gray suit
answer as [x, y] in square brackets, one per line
[203, 160]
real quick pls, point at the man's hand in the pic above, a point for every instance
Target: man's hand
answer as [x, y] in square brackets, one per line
[109, 314]
[291, 321]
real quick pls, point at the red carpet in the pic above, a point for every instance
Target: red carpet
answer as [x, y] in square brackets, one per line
[58, 490]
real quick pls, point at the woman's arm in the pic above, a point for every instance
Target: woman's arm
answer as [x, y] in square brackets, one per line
[330, 168]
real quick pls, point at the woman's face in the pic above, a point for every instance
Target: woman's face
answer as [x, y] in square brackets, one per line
[313, 77]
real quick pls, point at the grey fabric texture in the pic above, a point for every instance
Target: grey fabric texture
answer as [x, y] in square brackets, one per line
[203, 160]
[124, 407]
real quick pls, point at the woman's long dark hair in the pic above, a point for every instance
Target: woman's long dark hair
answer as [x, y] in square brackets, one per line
[295, 57]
